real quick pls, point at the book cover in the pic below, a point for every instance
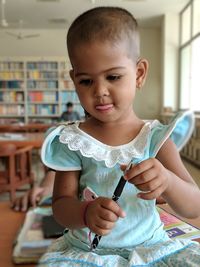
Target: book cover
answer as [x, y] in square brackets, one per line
[50, 228]
[177, 228]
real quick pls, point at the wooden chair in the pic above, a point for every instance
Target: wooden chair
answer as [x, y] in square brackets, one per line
[15, 168]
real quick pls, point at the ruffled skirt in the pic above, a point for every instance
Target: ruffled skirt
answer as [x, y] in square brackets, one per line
[180, 253]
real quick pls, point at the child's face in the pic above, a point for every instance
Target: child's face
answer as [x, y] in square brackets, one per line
[106, 79]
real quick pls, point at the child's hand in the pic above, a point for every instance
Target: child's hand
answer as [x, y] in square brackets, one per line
[101, 215]
[29, 199]
[149, 176]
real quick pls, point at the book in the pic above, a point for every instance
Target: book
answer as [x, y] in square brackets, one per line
[30, 242]
[177, 228]
[50, 228]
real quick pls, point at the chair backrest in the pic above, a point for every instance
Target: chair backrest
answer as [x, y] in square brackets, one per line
[7, 149]
[16, 169]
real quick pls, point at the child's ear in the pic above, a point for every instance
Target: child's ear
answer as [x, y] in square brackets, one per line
[141, 72]
[71, 73]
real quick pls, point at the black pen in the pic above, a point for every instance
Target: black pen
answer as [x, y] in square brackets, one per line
[116, 195]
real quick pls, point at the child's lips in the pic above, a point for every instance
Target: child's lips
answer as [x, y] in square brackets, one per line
[104, 107]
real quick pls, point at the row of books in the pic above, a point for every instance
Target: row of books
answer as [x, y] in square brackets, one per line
[11, 65]
[35, 84]
[11, 75]
[42, 84]
[47, 96]
[35, 74]
[12, 110]
[43, 109]
[12, 85]
[43, 96]
[12, 96]
[42, 65]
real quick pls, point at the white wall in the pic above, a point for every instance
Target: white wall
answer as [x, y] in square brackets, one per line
[170, 60]
[52, 43]
[49, 43]
[148, 100]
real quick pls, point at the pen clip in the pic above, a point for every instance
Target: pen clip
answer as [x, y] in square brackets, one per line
[128, 167]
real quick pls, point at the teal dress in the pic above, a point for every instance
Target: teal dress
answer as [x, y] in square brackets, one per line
[139, 238]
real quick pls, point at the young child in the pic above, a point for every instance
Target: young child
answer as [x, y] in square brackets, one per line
[70, 114]
[33, 196]
[90, 157]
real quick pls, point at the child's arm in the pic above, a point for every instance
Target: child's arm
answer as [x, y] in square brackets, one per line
[182, 193]
[100, 215]
[33, 196]
[167, 177]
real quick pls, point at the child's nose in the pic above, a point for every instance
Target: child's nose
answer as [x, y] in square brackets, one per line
[100, 89]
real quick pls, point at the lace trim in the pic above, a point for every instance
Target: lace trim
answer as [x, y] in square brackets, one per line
[78, 140]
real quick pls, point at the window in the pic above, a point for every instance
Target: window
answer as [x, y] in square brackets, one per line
[185, 22]
[185, 78]
[190, 57]
[196, 17]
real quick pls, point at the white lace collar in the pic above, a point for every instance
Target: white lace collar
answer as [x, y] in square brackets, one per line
[76, 139]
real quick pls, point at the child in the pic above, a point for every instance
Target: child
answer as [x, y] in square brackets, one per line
[70, 114]
[103, 46]
[33, 196]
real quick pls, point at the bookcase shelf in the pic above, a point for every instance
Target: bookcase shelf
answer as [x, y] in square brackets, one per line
[35, 89]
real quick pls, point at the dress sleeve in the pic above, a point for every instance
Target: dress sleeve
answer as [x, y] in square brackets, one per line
[179, 130]
[57, 155]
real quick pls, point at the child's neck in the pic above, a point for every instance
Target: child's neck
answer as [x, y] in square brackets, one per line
[113, 134]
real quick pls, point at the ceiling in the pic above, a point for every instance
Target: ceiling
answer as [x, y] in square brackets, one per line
[58, 14]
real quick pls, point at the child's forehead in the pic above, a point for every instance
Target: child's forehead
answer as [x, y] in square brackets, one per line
[100, 62]
[97, 49]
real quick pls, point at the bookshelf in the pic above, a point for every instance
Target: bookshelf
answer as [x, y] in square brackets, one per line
[35, 90]
[12, 90]
[191, 150]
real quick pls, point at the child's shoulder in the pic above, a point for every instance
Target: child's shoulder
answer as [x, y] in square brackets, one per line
[62, 125]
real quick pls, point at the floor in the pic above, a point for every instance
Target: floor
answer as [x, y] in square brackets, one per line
[39, 174]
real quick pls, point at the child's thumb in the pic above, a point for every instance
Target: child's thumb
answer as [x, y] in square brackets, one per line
[123, 167]
[121, 213]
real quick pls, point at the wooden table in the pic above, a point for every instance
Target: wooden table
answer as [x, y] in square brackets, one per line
[10, 223]
[23, 139]
[29, 127]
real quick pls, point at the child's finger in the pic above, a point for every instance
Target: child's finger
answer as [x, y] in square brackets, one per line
[150, 195]
[118, 211]
[139, 169]
[123, 167]
[112, 206]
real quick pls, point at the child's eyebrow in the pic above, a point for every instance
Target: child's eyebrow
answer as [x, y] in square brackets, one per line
[107, 70]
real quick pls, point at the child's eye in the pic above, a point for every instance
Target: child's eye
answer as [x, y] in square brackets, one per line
[86, 82]
[113, 77]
